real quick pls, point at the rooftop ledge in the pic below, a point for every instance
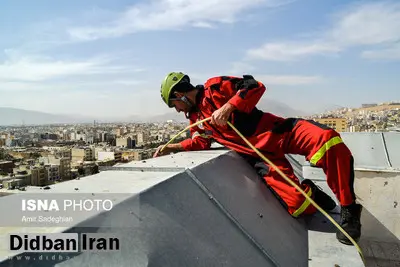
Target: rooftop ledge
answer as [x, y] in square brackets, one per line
[208, 208]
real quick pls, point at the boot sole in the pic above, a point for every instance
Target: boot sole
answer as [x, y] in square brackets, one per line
[348, 242]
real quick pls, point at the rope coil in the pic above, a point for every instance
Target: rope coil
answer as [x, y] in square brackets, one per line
[283, 176]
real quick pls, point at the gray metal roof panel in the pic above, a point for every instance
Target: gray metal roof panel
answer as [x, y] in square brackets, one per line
[181, 225]
[392, 140]
[299, 158]
[106, 182]
[368, 149]
[179, 160]
[176, 225]
[372, 151]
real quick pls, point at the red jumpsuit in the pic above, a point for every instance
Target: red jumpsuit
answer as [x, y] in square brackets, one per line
[274, 137]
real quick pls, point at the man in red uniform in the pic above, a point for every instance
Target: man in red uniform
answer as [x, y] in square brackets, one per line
[230, 98]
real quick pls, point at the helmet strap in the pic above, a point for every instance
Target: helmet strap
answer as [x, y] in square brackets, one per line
[190, 104]
[186, 101]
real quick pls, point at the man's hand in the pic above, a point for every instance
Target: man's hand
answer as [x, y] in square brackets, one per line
[161, 153]
[171, 148]
[221, 116]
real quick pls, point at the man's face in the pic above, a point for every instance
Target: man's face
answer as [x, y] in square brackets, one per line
[180, 106]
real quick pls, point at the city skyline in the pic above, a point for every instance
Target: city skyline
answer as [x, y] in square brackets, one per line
[99, 58]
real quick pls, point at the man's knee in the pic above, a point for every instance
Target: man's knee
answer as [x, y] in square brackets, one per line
[329, 142]
[262, 168]
[298, 205]
[307, 211]
[302, 205]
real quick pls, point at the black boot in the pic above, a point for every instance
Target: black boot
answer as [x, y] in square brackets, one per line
[320, 197]
[350, 217]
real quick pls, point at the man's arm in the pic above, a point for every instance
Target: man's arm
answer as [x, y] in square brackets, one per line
[245, 93]
[198, 141]
[170, 148]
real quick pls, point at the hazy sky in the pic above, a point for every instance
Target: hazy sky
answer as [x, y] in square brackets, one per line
[109, 57]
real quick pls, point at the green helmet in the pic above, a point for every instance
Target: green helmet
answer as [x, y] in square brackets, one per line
[170, 81]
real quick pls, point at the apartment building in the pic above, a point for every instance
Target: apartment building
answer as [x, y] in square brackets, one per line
[64, 167]
[338, 124]
[354, 128]
[38, 176]
[52, 172]
[63, 153]
[82, 154]
[142, 138]
[110, 155]
[19, 178]
[125, 142]
[137, 154]
[98, 149]
[6, 166]
[118, 131]
[117, 156]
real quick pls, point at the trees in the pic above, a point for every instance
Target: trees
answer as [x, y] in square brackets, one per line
[5, 156]
[35, 155]
[95, 169]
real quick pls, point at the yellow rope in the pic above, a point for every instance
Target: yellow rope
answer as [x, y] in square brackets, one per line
[283, 176]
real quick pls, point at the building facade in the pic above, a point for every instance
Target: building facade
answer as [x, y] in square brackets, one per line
[338, 124]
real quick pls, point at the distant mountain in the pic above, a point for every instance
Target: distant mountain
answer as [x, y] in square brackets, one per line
[17, 117]
[279, 108]
[175, 116]
[14, 116]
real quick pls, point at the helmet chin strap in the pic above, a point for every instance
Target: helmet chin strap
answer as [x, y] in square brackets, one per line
[186, 101]
[189, 103]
